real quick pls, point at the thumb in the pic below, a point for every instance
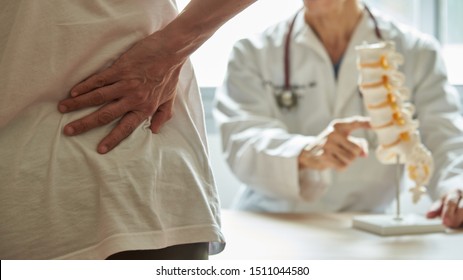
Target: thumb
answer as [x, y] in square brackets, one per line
[436, 209]
[360, 142]
[162, 115]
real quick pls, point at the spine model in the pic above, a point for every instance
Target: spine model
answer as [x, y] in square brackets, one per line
[391, 115]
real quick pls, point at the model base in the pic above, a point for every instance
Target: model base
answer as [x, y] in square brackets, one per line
[390, 225]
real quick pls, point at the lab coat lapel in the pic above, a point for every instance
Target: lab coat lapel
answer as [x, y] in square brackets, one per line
[305, 37]
[348, 74]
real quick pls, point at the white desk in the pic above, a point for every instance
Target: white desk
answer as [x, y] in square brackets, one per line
[325, 237]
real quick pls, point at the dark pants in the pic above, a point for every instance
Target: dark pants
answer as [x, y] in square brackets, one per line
[192, 251]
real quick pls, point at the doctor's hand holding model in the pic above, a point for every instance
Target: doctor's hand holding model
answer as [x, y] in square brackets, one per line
[292, 119]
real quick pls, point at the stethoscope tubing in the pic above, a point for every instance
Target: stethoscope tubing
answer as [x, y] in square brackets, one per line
[287, 47]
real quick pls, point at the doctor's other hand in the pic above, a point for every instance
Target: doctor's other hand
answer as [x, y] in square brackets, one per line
[449, 208]
[140, 84]
[335, 147]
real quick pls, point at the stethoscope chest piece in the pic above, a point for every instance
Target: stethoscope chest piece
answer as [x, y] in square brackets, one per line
[286, 99]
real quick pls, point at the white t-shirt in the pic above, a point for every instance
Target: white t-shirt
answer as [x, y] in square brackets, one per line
[59, 198]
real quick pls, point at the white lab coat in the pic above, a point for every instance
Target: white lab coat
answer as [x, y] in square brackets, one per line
[261, 142]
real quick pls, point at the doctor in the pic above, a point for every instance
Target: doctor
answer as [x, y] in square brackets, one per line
[289, 115]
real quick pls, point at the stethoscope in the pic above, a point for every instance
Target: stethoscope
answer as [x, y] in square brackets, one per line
[286, 96]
